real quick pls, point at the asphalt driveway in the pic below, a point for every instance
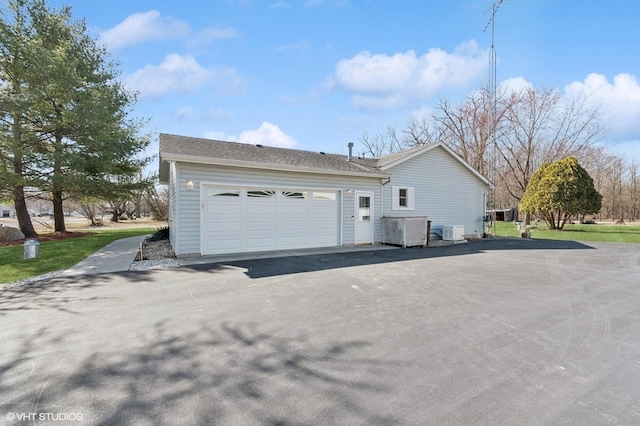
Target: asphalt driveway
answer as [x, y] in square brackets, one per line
[492, 332]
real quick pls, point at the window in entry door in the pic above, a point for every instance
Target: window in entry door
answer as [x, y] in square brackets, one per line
[364, 209]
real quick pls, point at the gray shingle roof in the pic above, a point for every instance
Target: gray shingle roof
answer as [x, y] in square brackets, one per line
[172, 145]
[190, 149]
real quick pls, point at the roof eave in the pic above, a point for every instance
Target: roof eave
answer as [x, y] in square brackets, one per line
[265, 166]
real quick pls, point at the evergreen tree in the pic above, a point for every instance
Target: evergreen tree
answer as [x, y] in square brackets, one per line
[559, 190]
[84, 141]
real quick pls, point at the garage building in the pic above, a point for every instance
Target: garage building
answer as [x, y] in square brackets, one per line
[229, 197]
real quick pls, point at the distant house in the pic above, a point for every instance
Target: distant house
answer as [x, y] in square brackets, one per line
[504, 215]
[6, 211]
[228, 197]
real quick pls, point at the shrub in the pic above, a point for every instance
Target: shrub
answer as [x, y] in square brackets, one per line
[162, 233]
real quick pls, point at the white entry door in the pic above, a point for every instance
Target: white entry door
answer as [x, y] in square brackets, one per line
[364, 217]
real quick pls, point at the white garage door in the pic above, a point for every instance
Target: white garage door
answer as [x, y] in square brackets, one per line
[236, 219]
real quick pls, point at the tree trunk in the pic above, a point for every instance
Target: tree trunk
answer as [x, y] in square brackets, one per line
[20, 204]
[58, 212]
[22, 213]
[56, 192]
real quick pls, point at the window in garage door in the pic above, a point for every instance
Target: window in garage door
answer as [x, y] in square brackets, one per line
[261, 194]
[324, 196]
[222, 192]
[295, 195]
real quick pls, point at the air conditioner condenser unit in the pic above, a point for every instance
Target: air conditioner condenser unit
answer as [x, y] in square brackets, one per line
[453, 233]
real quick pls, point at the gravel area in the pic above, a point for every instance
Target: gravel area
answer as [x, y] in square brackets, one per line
[155, 255]
[143, 265]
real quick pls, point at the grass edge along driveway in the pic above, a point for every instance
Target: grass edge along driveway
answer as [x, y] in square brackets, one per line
[597, 232]
[59, 254]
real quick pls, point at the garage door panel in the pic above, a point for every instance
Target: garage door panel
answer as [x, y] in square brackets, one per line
[222, 227]
[264, 243]
[261, 225]
[295, 225]
[294, 241]
[220, 209]
[258, 209]
[275, 222]
[323, 225]
[323, 209]
[223, 245]
[295, 210]
[323, 241]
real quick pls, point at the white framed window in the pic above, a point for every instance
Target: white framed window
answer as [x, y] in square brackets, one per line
[403, 198]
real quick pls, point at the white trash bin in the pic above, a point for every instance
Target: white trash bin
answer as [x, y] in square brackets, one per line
[31, 249]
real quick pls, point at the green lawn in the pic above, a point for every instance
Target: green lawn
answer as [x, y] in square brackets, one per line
[57, 255]
[604, 233]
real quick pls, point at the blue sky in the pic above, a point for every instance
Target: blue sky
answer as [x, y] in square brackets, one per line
[315, 74]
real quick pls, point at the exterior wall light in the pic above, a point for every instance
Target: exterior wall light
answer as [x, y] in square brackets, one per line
[190, 185]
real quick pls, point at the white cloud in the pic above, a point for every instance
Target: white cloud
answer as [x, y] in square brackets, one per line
[141, 27]
[620, 99]
[515, 84]
[267, 134]
[181, 74]
[210, 34]
[382, 81]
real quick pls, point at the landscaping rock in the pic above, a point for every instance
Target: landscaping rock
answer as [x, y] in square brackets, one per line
[8, 233]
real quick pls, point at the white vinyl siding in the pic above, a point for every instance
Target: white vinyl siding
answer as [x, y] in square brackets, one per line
[173, 203]
[445, 191]
[188, 241]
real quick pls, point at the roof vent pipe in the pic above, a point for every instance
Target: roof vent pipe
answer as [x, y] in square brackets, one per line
[350, 145]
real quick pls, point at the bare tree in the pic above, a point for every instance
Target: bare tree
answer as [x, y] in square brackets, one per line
[544, 126]
[469, 128]
[419, 130]
[633, 189]
[158, 202]
[507, 136]
[381, 142]
[89, 209]
[422, 129]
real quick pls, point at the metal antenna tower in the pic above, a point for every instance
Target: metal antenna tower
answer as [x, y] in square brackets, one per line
[495, 5]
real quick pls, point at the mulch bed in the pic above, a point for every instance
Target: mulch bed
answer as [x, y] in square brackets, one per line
[53, 236]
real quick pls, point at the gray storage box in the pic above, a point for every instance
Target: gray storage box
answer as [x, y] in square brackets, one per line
[405, 231]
